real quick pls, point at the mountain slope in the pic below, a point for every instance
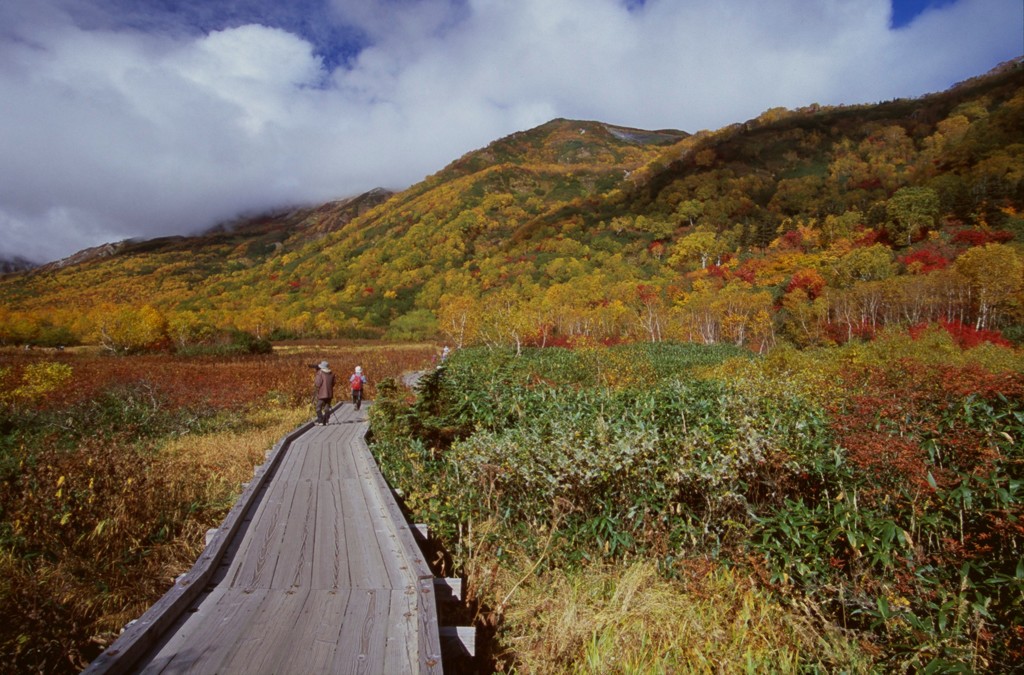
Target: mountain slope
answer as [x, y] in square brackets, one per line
[134, 269]
[582, 228]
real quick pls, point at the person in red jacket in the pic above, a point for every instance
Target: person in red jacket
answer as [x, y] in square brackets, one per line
[323, 385]
[357, 381]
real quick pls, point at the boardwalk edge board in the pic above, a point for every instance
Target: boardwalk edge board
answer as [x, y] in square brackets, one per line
[140, 635]
[430, 655]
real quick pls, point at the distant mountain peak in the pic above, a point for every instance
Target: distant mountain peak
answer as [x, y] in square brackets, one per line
[83, 256]
[15, 264]
[295, 224]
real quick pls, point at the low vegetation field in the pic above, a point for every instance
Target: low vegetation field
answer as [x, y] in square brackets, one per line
[677, 508]
[636, 508]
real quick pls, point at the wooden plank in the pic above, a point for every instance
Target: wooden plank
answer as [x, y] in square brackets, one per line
[396, 568]
[294, 566]
[375, 643]
[366, 563]
[256, 559]
[429, 647]
[387, 528]
[207, 636]
[401, 649]
[323, 621]
[330, 460]
[268, 643]
[428, 634]
[358, 651]
[292, 464]
[330, 555]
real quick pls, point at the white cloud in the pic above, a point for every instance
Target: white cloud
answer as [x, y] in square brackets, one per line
[108, 132]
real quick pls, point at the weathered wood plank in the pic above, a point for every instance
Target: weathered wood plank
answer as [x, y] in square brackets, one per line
[359, 652]
[401, 656]
[330, 556]
[330, 460]
[269, 642]
[256, 559]
[373, 641]
[324, 621]
[226, 615]
[366, 562]
[294, 567]
[429, 648]
[396, 561]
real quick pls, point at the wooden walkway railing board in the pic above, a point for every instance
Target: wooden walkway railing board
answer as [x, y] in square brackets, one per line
[323, 576]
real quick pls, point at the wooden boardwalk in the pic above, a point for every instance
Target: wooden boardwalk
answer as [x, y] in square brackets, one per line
[317, 573]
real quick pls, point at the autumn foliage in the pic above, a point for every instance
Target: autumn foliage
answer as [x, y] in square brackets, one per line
[848, 220]
[966, 337]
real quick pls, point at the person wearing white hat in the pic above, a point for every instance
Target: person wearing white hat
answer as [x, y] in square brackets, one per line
[323, 385]
[357, 381]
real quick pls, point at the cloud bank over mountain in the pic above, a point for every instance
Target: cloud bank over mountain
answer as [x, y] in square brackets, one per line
[120, 122]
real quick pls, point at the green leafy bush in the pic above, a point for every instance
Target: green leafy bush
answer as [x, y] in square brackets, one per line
[229, 343]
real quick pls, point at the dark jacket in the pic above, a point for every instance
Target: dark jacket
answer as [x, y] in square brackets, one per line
[324, 384]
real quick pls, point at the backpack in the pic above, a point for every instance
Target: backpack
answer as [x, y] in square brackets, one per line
[356, 381]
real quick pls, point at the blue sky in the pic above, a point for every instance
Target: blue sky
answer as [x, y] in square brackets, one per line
[905, 11]
[136, 118]
[334, 41]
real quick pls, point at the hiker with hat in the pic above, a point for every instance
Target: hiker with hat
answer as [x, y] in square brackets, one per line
[323, 391]
[357, 381]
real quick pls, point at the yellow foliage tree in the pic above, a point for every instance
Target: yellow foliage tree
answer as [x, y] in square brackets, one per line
[804, 318]
[185, 328]
[119, 328]
[701, 246]
[742, 314]
[995, 273]
[458, 319]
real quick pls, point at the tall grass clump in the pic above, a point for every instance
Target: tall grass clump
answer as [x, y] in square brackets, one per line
[630, 619]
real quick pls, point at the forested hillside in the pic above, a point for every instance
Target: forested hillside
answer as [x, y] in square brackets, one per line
[811, 226]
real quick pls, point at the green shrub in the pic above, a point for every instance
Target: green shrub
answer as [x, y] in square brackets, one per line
[887, 493]
[235, 342]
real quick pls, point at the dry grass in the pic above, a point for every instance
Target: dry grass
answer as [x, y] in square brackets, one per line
[207, 472]
[630, 620]
[220, 462]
